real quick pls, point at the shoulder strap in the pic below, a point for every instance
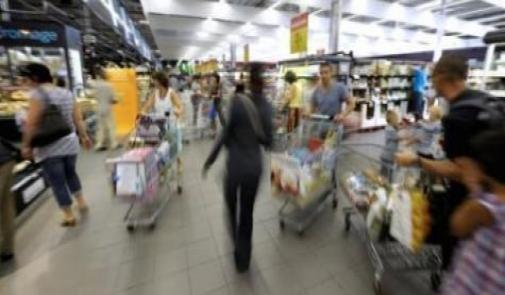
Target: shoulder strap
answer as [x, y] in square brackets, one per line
[254, 117]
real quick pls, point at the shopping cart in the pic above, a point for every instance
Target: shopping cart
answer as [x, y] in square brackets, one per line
[281, 135]
[303, 175]
[363, 185]
[147, 173]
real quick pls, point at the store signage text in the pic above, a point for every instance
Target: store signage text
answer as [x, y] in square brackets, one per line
[44, 37]
[299, 33]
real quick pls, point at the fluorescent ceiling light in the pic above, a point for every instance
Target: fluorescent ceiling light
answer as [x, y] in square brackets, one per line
[201, 34]
[233, 38]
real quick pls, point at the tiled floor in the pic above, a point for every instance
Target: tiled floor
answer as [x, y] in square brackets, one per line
[188, 252]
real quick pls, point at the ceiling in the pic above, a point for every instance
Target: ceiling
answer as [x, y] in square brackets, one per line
[109, 44]
[205, 28]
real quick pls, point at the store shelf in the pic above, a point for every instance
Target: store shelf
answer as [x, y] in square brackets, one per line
[490, 74]
[497, 93]
[384, 76]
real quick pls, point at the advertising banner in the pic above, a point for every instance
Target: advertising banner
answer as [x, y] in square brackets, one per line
[299, 33]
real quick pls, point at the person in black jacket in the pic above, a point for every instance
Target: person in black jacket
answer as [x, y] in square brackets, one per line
[248, 129]
[7, 214]
[460, 125]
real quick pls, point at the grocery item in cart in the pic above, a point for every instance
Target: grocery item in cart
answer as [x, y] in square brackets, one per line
[410, 218]
[136, 174]
[299, 175]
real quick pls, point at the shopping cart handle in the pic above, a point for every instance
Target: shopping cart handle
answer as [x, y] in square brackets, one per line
[320, 117]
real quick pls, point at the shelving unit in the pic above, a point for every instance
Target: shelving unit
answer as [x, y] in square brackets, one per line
[492, 78]
[307, 72]
[380, 85]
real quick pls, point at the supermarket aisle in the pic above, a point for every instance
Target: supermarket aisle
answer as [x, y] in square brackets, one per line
[188, 252]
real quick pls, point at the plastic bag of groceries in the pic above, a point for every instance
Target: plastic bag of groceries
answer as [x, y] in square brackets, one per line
[410, 218]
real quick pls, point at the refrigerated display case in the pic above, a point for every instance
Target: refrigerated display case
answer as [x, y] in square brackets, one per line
[55, 45]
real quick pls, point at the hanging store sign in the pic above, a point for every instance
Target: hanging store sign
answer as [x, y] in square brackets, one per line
[246, 53]
[31, 34]
[300, 33]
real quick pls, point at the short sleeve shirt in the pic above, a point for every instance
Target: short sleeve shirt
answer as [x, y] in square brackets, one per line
[65, 146]
[329, 101]
[391, 144]
[461, 125]
[427, 134]
[104, 94]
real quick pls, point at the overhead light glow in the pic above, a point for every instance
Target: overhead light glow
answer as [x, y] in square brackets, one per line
[202, 35]
[233, 38]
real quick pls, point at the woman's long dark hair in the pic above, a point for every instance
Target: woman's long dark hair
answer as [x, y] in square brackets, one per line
[162, 79]
[256, 82]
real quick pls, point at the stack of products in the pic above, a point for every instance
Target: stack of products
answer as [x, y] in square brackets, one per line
[136, 175]
[304, 173]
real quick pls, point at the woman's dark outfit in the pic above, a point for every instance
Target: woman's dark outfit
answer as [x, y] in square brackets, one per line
[244, 168]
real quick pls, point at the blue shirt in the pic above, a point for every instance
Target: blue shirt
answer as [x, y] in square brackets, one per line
[428, 134]
[420, 81]
[391, 144]
[329, 101]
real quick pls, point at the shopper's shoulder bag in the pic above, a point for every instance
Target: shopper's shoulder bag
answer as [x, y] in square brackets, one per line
[52, 125]
[254, 116]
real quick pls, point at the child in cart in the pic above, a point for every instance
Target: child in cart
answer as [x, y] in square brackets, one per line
[427, 134]
[392, 141]
[479, 267]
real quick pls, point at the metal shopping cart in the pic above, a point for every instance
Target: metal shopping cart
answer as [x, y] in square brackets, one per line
[281, 135]
[361, 185]
[147, 174]
[303, 175]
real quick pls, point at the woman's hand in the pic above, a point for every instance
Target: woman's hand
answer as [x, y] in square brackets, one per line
[406, 159]
[86, 142]
[27, 152]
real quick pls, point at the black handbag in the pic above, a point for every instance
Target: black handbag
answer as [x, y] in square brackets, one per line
[52, 124]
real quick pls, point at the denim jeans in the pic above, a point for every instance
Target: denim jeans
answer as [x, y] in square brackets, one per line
[61, 175]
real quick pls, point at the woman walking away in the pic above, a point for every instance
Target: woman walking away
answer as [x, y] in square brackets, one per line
[58, 156]
[249, 128]
[216, 96]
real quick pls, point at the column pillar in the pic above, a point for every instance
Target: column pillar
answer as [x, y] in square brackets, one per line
[4, 5]
[335, 26]
[437, 51]
[233, 54]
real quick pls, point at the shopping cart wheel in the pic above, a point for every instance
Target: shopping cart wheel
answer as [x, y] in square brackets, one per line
[347, 222]
[300, 232]
[282, 225]
[130, 228]
[377, 284]
[152, 225]
[179, 189]
[435, 280]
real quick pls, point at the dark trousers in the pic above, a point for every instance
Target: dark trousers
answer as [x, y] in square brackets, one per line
[218, 111]
[61, 175]
[240, 194]
[418, 104]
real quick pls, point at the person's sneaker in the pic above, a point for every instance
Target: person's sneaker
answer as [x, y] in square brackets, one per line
[6, 257]
[100, 149]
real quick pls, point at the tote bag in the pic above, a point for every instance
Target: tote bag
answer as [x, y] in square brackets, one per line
[52, 125]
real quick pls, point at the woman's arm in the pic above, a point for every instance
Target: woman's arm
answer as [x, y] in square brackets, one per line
[469, 217]
[35, 108]
[148, 105]
[81, 127]
[289, 95]
[177, 103]
[216, 149]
